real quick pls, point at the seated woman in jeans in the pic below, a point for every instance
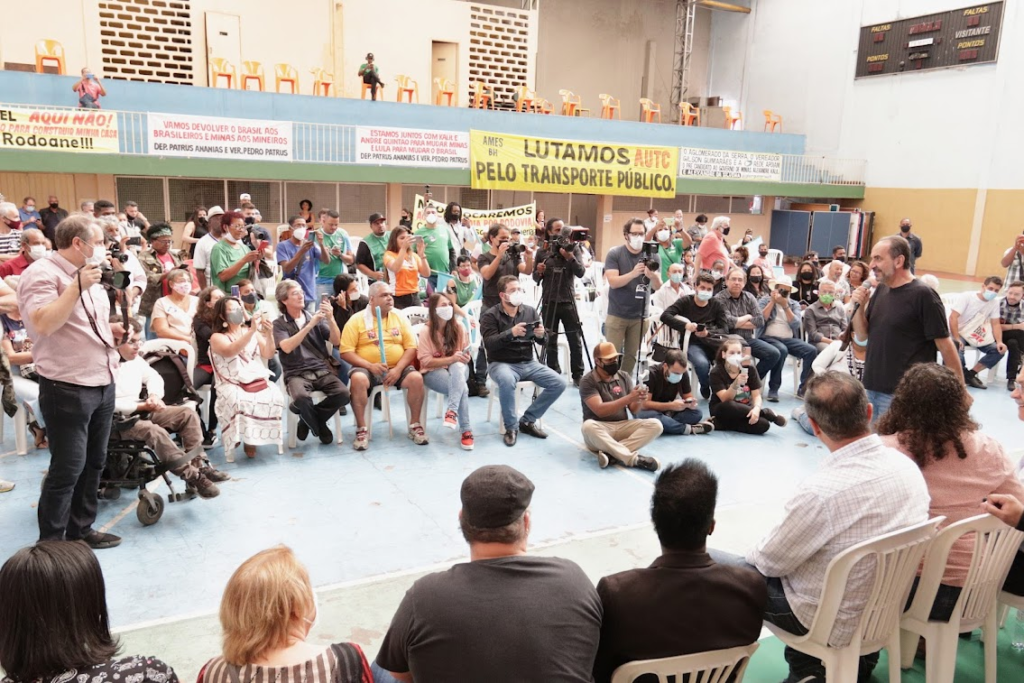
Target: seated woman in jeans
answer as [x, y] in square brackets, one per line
[444, 363]
[736, 392]
[928, 421]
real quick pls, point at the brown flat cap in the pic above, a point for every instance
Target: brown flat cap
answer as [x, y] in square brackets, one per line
[494, 496]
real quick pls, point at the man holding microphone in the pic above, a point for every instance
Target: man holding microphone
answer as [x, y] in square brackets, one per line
[75, 352]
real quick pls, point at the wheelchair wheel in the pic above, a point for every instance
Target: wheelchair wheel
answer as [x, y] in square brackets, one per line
[151, 507]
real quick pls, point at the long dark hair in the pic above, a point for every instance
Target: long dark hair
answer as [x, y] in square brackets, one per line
[397, 232]
[448, 211]
[929, 412]
[53, 615]
[220, 320]
[450, 342]
[761, 287]
[204, 312]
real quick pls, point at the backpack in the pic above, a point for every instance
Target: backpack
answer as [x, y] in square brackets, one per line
[174, 371]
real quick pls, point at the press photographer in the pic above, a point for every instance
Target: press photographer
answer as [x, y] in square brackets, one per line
[558, 264]
[632, 272]
[75, 353]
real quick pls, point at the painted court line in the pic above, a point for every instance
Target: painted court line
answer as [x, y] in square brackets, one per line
[580, 445]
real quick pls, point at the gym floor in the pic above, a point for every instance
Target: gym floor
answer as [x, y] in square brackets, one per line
[368, 524]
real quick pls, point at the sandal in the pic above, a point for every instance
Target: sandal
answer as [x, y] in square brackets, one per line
[39, 434]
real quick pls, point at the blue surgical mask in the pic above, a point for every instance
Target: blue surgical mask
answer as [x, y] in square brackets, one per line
[675, 377]
[988, 294]
[705, 295]
[677, 277]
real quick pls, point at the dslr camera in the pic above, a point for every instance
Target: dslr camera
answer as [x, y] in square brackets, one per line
[515, 248]
[116, 253]
[649, 252]
[115, 279]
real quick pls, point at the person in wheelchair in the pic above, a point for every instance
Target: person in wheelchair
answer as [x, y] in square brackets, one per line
[139, 389]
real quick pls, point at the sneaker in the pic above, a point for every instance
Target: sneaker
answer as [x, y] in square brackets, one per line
[702, 428]
[773, 396]
[326, 435]
[603, 460]
[6, 486]
[451, 420]
[210, 441]
[362, 441]
[972, 380]
[532, 429]
[418, 436]
[800, 392]
[510, 437]
[214, 475]
[646, 462]
[100, 541]
[467, 441]
[343, 410]
[302, 432]
[482, 391]
[204, 487]
[705, 392]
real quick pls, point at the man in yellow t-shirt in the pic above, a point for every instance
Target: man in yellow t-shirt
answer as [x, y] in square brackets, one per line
[360, 348]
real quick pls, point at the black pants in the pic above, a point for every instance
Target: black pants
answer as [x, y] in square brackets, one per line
[407, 300]
[1014, 340]
[1015, 579]
[372, 79]
[80, 419]
[731, 416]
[200, 378]
[564, 314]
[316, 415]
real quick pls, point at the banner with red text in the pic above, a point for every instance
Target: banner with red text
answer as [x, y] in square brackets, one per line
[522, 217]
[83, 130]
[211, 137]
[412, 147]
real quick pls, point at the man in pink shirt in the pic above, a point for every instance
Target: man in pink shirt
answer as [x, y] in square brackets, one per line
[713, 247]
[75, 352]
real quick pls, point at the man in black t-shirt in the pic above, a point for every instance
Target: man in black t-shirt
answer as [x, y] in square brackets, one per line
[672, 402]
[705, 318]
[504, 616]
[905, 321]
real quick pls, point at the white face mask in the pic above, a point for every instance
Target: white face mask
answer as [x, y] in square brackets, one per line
[515, 298]
[182, 287]
[299, 233]
[650, 223]
[37, 251]
[99, 256]
[229, 237]
[445, 312]
[636, 241]
[663, 235]
[734, 359]
[431, 218]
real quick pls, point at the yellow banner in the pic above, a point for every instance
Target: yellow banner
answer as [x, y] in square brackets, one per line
[522, 217]
[499, 161]
[84, 130]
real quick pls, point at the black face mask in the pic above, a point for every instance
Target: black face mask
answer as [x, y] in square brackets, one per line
[202, 220]
[806, 277]
[249, 299]
[841, 259]
[611, 368]
[726, 229]
[764, 254]
[755, 279]
[54, 205]
[904, 228]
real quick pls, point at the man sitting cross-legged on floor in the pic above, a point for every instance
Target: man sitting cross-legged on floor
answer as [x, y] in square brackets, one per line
[302, 340]
[132, 376]
[671, 399]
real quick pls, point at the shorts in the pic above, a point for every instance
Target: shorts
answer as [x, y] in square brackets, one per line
[376, 381]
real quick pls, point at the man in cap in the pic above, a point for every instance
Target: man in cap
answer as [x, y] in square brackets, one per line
[370, 254]
[157, 261]
[468, 623]
[370, 76]
[606, 392]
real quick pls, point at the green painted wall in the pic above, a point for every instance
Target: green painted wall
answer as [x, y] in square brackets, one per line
[66, 162]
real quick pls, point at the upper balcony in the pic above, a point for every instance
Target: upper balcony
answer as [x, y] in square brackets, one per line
[322, 145]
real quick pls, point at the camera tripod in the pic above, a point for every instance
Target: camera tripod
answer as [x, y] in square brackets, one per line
[549, 307]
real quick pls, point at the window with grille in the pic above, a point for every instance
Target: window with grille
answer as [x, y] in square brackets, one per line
[185, 194]
[358, 201]
[265, 196]
[710, 204]
[498, 49]
[147, 40]
[323, 196]
[148, 193]
[469, 198]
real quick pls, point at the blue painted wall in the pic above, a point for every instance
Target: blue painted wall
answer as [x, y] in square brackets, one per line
[46, 89]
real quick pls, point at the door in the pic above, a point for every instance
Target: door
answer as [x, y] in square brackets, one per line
[223, 40]
[444, 64]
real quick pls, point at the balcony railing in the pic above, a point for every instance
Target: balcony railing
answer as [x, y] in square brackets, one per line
[320, 143]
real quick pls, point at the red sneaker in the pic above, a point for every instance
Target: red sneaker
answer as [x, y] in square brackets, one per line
[467, 441]
[451, 420]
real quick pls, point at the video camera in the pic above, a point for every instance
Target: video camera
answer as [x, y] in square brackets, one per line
[649, 252]
[568, 238]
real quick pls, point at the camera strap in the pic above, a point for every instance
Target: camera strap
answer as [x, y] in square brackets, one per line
[92, 319]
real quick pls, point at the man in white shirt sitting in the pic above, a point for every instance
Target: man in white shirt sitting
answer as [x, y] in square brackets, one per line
[133, 375]
[975, 320]
[673, 289]
[861, 491]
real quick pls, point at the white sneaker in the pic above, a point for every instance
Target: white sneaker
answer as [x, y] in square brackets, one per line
[602, 459]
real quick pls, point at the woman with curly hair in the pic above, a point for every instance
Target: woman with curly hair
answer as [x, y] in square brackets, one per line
[928, 421]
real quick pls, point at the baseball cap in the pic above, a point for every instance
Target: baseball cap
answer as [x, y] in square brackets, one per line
[606, 351]
[516, 231]
[214, 211]
[494, 496]
[374, 217]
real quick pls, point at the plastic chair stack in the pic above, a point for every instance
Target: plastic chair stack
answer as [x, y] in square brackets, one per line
[322, 82]
[445, 89]
[407, 86]
[571, 103]
[483, 95]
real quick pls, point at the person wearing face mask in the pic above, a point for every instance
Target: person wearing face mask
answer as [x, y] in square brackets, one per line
[743, 314]
[67, 316]
[736, 401]
[347, 301]
[443, 351]
[89, 90]
[757, 283]
[157, 262]
[254, 304]
[671, 400]
[10, 231]
[438, 246]
[629, 282]
[717, 273]
[370, 254]
[705, 318]
[606, 393]
[698, 230]
[1011, 321]
[463, 236]
[675, 287]
[338, 246]
[845, 355]
[712, 245]
[173, 314]
[33, 248]
[806, 290]
[50, 216]
[28, 215]
[670, 250]
[974, 320]
[406, 219]
[825, 320]
[782, 330]
[509, 331]
[230, 259]
[195, 229]
[202, 328]
[916, 245]
[762, 260]
[300, 257]
[556, 270]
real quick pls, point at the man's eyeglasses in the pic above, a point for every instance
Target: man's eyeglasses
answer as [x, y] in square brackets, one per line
[636, 234]
[135, 343]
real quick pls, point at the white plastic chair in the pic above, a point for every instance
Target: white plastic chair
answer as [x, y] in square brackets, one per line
[1005, 602]
[716, 666]
[520, 386]
[20, 420]
[897, 556]
[293, 420]
[414, 314]
[995, 545]
[775, 258]
[386, 410]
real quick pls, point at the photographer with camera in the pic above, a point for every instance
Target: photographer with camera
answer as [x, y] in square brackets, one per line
[123, 259]
[705, 318]
[75, 352]
[670, 251]
[630, 269]
[558, 264]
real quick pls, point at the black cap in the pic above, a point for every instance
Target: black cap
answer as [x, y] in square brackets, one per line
[374, 217]
[369, 55]
[494, 496]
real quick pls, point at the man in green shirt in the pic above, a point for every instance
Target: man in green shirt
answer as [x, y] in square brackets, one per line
[368, 72]
[669, 250]
[439, 250]
[337, 244]
[230, 259]
[370, 255]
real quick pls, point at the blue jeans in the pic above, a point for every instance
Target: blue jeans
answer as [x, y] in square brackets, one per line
[453, 383]
[698, 357]
[945, 601]
[78, 454]
[791, 347]
[507, 375]
[767, 356]
[674, 422]
[989, 359]
[800, 413]
[880, 402]
[324, 285]
[380, 675]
